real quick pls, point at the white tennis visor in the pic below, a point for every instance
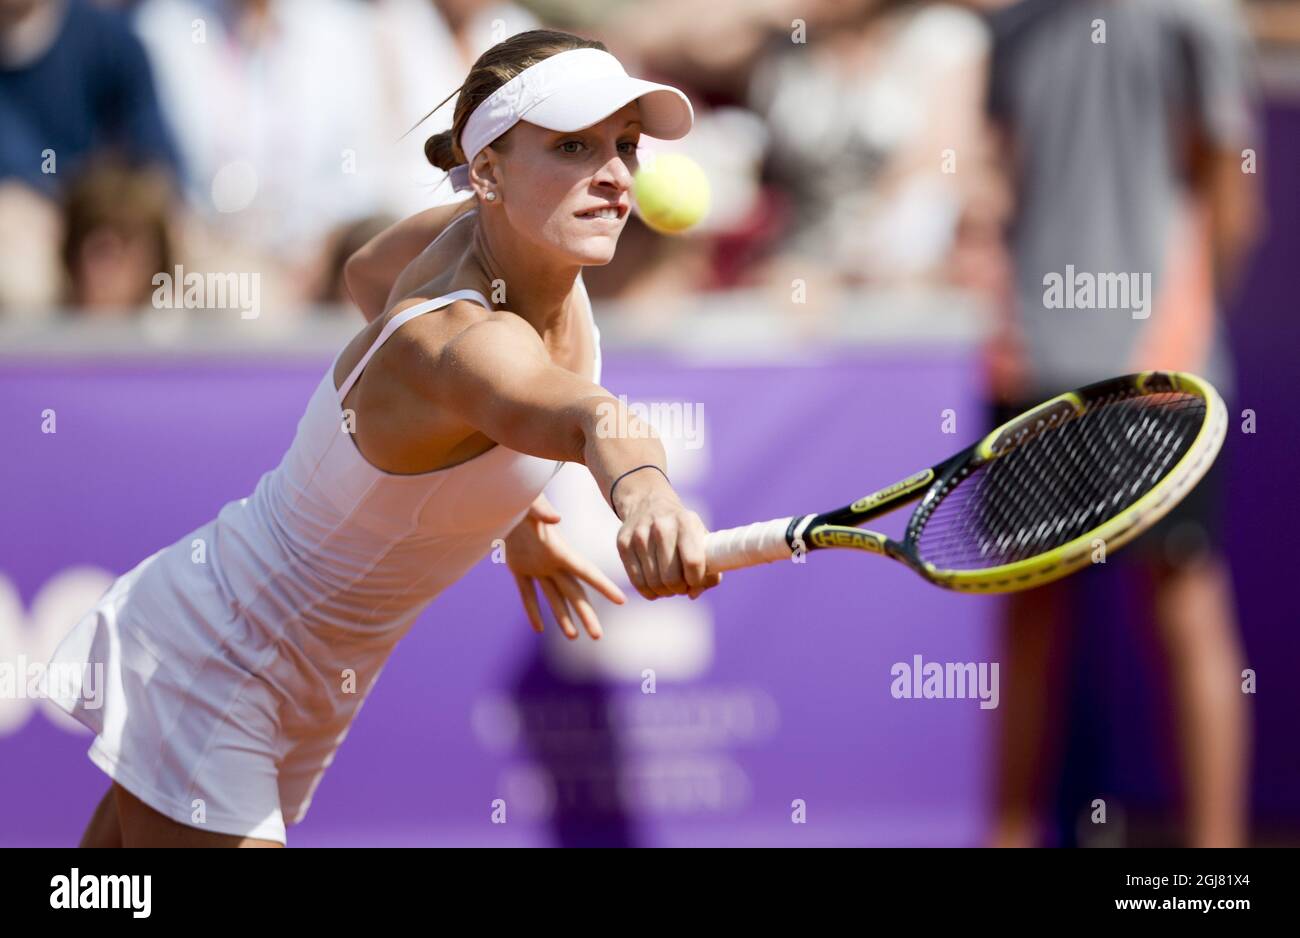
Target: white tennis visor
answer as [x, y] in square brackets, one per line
[572, 90]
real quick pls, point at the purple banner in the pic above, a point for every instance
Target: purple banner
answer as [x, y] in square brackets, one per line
[760, 714]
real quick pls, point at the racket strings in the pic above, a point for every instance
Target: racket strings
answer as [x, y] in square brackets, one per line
[1084, 500]
[1058, 482]
[1001, 501]
[1003, 515]
[1088, 499]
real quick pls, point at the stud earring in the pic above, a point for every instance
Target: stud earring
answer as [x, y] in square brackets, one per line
[491, 196]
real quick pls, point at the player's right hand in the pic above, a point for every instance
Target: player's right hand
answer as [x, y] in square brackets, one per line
[661, 544]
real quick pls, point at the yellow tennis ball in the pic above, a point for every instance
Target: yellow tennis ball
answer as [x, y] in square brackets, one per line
[672, 193]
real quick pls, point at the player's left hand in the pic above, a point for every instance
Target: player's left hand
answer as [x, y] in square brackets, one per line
[537, 554]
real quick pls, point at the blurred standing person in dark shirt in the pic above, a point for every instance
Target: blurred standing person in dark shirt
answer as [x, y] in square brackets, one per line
[74, 81]
[74, 85]
[1128, 131]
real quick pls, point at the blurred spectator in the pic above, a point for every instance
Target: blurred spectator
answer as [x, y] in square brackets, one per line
[293, 114]
[274, 106]
[74, 85]
[1274, 23]
[332, 290]
[712, 47]
[117, 236]
[426, 48]
[29, 251]
[74, 81]
[877, 139]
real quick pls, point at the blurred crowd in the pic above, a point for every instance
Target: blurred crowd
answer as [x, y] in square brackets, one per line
[848, 140]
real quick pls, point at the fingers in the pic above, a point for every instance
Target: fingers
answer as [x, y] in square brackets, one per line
[710, 581]
[633, 568]
[663, 540]
[694, 558]
[572, 591]
[529, 596]
[631, 561]
[542, 510]
[690, 552]
[665, 555]
[558, 607]
[588, 571]
[562, 592]
[640, 561]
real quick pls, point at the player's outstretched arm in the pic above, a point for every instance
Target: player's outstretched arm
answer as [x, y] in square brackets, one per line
[496, 375]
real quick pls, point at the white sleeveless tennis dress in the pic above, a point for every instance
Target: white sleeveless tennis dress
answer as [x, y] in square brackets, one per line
[235, 659]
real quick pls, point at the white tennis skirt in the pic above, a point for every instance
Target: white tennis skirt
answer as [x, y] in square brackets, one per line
[216, 724]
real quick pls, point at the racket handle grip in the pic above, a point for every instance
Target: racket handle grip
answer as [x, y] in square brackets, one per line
[734, 548]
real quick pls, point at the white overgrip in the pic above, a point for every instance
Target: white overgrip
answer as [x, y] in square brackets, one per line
[734, 548]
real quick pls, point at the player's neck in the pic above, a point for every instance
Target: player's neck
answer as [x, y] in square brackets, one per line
[526, 282]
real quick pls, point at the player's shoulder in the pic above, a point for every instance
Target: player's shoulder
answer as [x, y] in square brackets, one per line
[492, 333]
[464, 329]
[466, 343]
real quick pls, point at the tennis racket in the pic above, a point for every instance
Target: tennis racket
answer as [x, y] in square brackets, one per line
[1033, 500]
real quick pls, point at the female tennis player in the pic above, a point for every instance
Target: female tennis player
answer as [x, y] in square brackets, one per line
[235, 660]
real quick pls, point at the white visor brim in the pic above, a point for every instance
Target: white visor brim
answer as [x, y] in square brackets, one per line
[665, 112]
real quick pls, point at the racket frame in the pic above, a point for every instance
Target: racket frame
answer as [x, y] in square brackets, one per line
[839, 528]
